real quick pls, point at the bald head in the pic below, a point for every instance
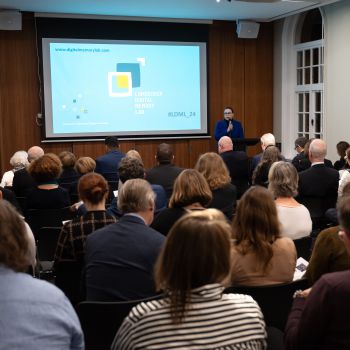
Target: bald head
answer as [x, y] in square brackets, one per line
[317, 151]
[34, 153]
[267, 140]
[225, 144]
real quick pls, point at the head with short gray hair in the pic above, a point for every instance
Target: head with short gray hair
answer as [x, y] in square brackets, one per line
[19, 160]
[135, 196]
[283, 180]
[317, 150]
[267, 140]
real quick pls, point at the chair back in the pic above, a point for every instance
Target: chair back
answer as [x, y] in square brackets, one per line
[37, 218]
[22, 202]
[100, 321]
[46, 241]
[303, 247]
[274, 300]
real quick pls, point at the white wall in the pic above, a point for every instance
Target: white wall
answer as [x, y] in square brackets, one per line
[337, 75]
[337, 79]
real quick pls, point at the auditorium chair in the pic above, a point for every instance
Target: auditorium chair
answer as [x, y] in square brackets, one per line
[275, 300]
[100, 321]
[37, 218]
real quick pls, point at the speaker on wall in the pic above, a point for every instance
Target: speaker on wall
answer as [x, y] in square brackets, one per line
[247, 29]
[10, 20]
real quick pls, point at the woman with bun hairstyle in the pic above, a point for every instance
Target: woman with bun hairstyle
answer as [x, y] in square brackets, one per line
[70, 250]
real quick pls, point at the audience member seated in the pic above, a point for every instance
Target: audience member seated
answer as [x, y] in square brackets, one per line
[329, 253]
[299, 146]
[70, 251]
[237, 163]
[120, 258]
[34, 314]
[266, 140]
[305, 163]
[165, 173]
[47, 194]
[318, 185]
[193, 269]
[18, 161]
[191, 192]
[22, 182]
[344, 174]
[214, 170]
[294, 217]
[342, 146]
[261, 172]
[260, 256]
[107, 165]
[31, 255]
[9, 196]
[319, 318]
[132, 168]
[134, 154]
[68, 174]
[83, 165]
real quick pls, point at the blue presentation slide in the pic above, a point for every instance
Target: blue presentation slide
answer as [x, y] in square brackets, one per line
[125, 88]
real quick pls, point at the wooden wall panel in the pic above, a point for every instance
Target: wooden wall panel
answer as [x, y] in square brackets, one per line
[239, 74]
[19, 90]
[258, 83]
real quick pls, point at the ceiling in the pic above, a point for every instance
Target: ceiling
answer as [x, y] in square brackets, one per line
[260, 10]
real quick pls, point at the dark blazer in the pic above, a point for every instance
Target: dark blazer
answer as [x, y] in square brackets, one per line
[107, 165]
[224, 199]
[301, 162]
[22, 183]
[318, 189]
[164, 175]
[221, 129]
[68, 175]
[119, 261]
[237, 163]
[9, 196]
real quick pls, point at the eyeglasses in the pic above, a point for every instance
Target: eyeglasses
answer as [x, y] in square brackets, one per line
[228, 112]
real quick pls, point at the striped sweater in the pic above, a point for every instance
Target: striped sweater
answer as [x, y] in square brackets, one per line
[213, 321]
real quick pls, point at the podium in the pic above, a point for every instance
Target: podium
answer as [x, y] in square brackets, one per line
[240, 144]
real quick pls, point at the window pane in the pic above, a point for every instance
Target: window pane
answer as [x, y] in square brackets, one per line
[306, 122]
[299, 77]
[317, 102]
[321, 74]
[301, 103]
[299, 59]
[307, 57]
[307, 76]
[307, 102]
[300, 124]
[318, 123]
[315, 57]
[315, 75]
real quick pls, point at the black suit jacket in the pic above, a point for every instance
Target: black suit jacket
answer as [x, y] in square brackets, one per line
[164, 175]
[22, 183]
[119, 261]
[237, 163]
[318, 189]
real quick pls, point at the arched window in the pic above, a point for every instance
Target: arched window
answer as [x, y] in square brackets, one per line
[309, 74]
